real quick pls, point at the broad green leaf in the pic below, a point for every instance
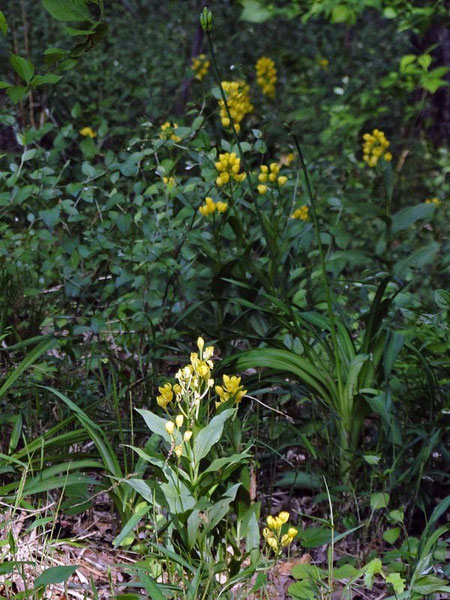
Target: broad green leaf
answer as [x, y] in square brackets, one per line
[372, 459]
[47, 79]
[379, 500]
[68, 10]
[370, 570]
[211, 434]
[155, 423]
[302, 590]
[55, 575]
[22, 66]
[396, 516]
[342, 14]
[406, 217]
[391, 535]
[4, 85]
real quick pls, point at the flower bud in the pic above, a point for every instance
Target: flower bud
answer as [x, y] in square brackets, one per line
[170, 427]
[187, 436]
[206, 19]
[179, 420]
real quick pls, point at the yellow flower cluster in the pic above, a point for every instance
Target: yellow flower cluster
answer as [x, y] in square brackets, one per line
[374, 146]
[269, 174]
[301, 213]
[210, 207]
[184, 398]
[87, 132]
[228, 166]
[231, 388]
[200, 65]
[266, 75]
[167, 132]
[238, 100]
[434, 201]
[169, 181]
[272, 533]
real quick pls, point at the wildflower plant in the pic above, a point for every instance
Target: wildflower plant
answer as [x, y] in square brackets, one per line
[279, 533]
[167, 132]
[191, 483]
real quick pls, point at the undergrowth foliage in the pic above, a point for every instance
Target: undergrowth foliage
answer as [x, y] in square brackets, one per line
[290, 207]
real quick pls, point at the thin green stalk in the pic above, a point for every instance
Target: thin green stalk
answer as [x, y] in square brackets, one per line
[324, 271]
[280, 281]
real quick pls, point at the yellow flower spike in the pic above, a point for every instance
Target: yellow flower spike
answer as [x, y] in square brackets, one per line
[87, 132]
[200, 66]
[262, 189]
[374, 146]
[170, 427]
[179, 421]
[238, 100]
[187, 436]
[281, 180]
[266, 76]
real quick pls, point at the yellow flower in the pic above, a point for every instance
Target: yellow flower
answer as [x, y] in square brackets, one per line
[179, 421]
[323, 62]
[289, 537]
[231, 388]
[281, 180]
[221, 207]
[166, 395]
[169, 181]
[178, 450]
[262, 189]
[187, 436]
[167, 132]
[228, 167]
[266, 76]
[87, 132]
[208, 208]
[434, 201]
[200, 343]
[301, 213]
[374, 146]
[170, 427]
[238, 100]
[200, 65]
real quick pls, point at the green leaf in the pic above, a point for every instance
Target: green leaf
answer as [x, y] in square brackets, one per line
[396, 516]
[22, 66]
[4, 84]
[55, 575]
[405, 217]
[140, 510]
[370, 570]
[254, 12]
[372, 459]
[69, 10]
[211, 434]
[47, 79]
[342, 14]
[379, 500]
[16, 93]
[310, 481]
[3, 23]
[155, 423]
[28, 155]
[397, 582]
[391, 535]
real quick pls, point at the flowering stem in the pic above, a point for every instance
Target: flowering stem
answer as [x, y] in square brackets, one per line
[324, 273]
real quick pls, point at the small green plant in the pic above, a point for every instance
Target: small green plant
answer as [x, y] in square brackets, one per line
[197, 479]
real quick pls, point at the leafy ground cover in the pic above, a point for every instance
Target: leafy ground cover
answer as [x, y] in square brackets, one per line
[224, 282]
